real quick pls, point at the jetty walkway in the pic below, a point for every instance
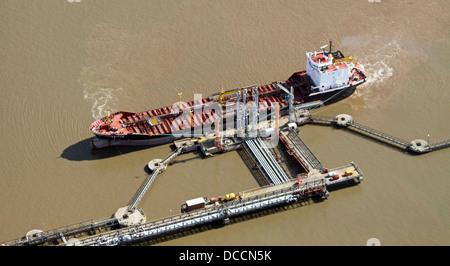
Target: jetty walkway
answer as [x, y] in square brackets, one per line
[346, 121]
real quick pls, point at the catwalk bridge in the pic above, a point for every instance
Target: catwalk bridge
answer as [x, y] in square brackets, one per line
[298, 148]
[343, 120]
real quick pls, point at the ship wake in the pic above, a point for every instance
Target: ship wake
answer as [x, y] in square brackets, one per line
[381, 60]
[103, 100]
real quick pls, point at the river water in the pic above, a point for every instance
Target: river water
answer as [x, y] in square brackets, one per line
[66, 63]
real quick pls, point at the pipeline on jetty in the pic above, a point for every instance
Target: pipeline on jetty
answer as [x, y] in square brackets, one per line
[276, 174]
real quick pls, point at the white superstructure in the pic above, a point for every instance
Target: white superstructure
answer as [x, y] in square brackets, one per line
[328, 72]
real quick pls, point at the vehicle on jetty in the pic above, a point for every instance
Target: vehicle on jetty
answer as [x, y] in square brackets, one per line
[329, 76]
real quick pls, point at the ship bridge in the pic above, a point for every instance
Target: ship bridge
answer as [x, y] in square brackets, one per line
[328, 69]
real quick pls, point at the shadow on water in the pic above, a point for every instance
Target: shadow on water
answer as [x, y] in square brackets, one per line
[83, 151]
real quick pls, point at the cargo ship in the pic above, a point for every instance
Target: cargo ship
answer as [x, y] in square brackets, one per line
[329, 77]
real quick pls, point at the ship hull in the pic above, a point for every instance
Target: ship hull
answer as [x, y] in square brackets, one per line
[333, 96]
[163, 125]
[99, 143]
[146, 140]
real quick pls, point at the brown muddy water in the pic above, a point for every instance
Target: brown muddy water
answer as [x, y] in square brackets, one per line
[65, 64]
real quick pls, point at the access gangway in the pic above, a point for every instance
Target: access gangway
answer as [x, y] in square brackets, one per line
[440, 145]
[346, 121]
[300, 150]
[54, 235]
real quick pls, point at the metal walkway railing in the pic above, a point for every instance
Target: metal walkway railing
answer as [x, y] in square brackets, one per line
[303, 151]
[273, 170]
[379, 134]
[151, 178]
[365, 130]
[142, 190]
[54, 235]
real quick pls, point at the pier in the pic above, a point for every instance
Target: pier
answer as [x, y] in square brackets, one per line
[346, 121]
[129, 223]
[279, 185]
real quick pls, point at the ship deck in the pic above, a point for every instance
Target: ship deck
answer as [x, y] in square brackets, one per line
[162, 121]
[166, 121]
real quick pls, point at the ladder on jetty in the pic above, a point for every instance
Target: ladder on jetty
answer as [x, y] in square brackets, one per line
[265, 159]
[346, 121]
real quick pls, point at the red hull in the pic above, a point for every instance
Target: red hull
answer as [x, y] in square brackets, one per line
[163, 123]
